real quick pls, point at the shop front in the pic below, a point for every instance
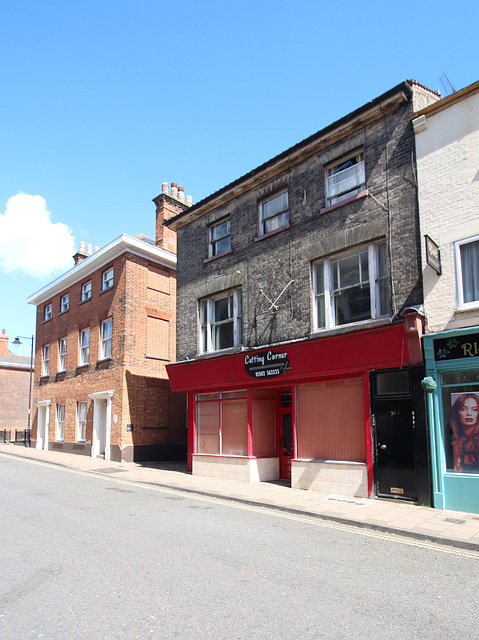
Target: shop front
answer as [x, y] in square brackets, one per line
[301, 412]
[452, 383]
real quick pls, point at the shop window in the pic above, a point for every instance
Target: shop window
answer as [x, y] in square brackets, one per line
[81, 421]
[351, 287]
[62, 354]
[219, 236]
[460, 404]
[220, 320]
[60, 422]
[467, 273]
[345, 179]
[222, 424]
[263, 422]
[273, 213]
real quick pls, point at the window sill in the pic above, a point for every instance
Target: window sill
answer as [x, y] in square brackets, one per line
[338, 205]
[349, 328]
[83, 301]
[157, 358]
[474, 307]
[47, 320]
[222, 352]
[105, 290]
[272, 233]
[62, 313]
[220, 255]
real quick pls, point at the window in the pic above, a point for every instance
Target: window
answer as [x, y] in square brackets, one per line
[345, 179]
[84, 346]
[48, 312]
[62, 354]
[106, 328]
[222, 423]
[273, 213]
[64, 303]
[60, 422]
[220, 320]
[46, 360]
[467, 273]
[86, 291]
[107, 279]
[81, 421]
[351, 287]
[219, 238]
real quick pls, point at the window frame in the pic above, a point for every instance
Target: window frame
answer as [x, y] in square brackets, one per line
[212, 242]
[86, 291]
[209, 325]
[46, 359]
[107, 281]
[81, 420]
[106, 341]
[262, 230]
[322, 286]
[461, 304]
[62, 354]
[48, 312]
[334, 169]
[84, 347]
[65, 303]
[60, 422]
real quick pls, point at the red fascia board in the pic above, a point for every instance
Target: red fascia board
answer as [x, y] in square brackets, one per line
[345, 355]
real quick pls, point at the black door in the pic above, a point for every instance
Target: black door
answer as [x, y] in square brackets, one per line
[395, 468]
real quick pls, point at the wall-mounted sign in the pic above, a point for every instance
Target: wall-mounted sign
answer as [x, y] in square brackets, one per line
[266, 364]
[465, 346]
[433, 255]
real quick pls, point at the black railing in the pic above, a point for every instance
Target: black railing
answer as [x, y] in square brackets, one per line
[5, 436]
[22, 436]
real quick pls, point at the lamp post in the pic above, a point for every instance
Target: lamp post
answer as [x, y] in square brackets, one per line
[18, 342]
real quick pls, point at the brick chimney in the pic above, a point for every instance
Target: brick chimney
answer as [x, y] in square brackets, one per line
[168, 204]
[81, 254]
[4, 350]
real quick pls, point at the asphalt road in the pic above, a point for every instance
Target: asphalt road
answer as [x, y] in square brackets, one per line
[85, 556]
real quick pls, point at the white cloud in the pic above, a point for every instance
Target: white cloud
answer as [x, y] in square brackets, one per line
[30, 242]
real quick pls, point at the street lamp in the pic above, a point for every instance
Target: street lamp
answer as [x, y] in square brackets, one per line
[18, 342]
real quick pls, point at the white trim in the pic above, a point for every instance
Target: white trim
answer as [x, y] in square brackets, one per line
[101, 258]
[95, 445]
[460, 304]
[44, 410]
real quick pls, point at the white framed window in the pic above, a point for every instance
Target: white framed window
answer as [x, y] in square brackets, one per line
[345, 178]
[219, 238]
[84, 346]
[273, 213]
[62, 354]
[60, 421]
[467, 273]
[81, 421]
[64, 303]
[86, 291]
[46, 360]
[221, 321]
[48, 312]
[107, 279]
[350, 287]
[106, 334]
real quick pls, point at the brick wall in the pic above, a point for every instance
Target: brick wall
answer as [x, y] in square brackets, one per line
[13, 399]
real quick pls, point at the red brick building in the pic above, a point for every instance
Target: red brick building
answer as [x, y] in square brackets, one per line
[14, 382]
[105, 332]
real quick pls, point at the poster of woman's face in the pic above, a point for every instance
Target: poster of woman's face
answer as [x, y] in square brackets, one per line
[465, 429]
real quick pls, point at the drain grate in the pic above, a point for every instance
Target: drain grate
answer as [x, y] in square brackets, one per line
[454, 520]
[109, 470]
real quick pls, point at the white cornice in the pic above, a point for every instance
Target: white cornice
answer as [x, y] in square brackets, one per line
[103, 256]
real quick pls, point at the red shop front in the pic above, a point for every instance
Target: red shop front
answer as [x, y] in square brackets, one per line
[298, 411]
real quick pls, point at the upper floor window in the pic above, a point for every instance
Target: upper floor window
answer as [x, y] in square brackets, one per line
[345, 179]
[219, 238]
[86, 291]
[107, 279]
[350, 287]
[273, 213]
[467, 273]
[60, 421]
[46, 360]
[48, 312]
[84, 346]
[62, 354]
[221, 321]
[64, 303]
[106, 334]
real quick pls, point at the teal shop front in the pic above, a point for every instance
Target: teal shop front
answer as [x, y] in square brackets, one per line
[452, 386]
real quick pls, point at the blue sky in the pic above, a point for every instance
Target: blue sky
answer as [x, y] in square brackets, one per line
[102, 101]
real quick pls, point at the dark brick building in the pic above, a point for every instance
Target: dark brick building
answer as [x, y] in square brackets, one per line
[299, 293]
[14, 388]
[105, 331]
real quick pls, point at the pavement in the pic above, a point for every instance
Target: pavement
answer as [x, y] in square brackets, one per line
[451, 528]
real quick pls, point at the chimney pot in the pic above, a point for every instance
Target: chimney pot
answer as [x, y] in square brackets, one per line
[89, 249]
[174, 189]
[82, 245]
[165, 188]
[189, 200]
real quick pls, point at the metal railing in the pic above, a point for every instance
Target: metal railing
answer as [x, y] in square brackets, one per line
[22, 436]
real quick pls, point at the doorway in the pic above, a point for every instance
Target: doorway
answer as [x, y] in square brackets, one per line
[43, 418]
[101, 424]
[284, 417]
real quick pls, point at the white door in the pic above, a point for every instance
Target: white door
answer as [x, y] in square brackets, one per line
[42, 426]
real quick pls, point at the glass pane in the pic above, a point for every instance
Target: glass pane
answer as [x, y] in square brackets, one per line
[461, 429]
[382, 309]
[222, 245]
[208, 421]
[220, 230]
[392, 382]
[318, 278]
[287, 434]
[348, 271]
[470, 271]
[221, 309]
[233, 394]
[364, 257]
[234, 428]
[459, 377]
[320, 312]
[223, 336]
[286, 398]
[382, 260]
[353, 305]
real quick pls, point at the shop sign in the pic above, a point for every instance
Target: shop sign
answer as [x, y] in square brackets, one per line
[466, 346]
[433, 255]
[266, 364]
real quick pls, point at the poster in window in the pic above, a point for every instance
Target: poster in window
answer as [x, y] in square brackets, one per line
[465, 431]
